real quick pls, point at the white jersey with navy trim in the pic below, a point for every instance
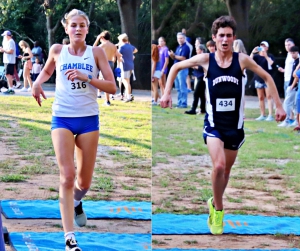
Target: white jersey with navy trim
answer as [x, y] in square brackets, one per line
[75, 98]
[225, 95]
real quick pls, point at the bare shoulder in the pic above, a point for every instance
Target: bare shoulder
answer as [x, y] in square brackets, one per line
[201, 59]
[204, 57]
[56, 49]
[245, 61]
[98, 49]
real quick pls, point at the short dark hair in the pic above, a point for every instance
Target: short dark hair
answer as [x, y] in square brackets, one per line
[105, 35]
[289, 40]
[223, 22]
[294, 49]
[210, 43]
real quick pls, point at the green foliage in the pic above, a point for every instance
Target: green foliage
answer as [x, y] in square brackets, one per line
[273, 21]
[184, 16]
[27, 19]
[144, 27]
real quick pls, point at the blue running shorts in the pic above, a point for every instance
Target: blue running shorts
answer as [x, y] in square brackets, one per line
[233, 139]
[77, 125]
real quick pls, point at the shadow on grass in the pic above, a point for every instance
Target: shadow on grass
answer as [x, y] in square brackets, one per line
[108, 136]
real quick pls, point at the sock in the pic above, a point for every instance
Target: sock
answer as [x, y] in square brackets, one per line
[76, 203]
[69, 235]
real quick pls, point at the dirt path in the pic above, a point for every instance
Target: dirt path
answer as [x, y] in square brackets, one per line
[44, 185]
[183, 185]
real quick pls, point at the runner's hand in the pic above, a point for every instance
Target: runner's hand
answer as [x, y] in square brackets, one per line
[280, 114]
[37, 91]
[73, 74]
[166, 101]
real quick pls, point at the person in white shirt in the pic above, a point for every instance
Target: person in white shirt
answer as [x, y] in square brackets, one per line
[287, 70]
[36, 69]
[9, 59]
[75, 115]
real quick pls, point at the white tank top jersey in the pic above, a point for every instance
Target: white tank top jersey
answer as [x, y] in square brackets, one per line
[75, 98]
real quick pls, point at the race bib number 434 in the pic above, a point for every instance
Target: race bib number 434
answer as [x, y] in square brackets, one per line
[225, 104]
[79, 87]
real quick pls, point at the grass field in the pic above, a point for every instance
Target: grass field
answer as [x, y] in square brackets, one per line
[125, 146]
[267, 163]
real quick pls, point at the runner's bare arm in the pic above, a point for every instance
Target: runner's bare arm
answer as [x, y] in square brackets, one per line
[202, 59]
[46, 73]
[198, 60]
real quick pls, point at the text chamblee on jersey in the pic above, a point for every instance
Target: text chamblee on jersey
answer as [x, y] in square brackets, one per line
[79, 66]
[225, 79]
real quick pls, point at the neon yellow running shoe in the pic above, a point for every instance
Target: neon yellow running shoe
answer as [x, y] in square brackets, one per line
[211, 212]
[217, 222]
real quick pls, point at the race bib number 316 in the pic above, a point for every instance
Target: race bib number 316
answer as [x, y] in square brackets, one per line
[79, 87]
[225, 104]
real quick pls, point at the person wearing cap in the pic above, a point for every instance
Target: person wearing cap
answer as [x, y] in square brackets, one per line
[261, 56]
[9, 59]
[127, 50]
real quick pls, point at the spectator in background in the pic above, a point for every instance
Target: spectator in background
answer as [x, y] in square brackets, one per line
[287, 70]
[16, 70]
[198, 41]
[127, 50]
[9, 59]
[290, 96]
[27, 65]
[111, 52]
[36, 52]
[36, 69]
[199, 91]
[296, 75]
[261, 57]
[66, 41]
[188, 41]
[238, 46]
[155, 72]
[164, 61]
[182, 53]
[211, 46]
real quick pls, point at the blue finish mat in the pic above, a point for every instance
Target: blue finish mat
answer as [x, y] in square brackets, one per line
[45, 241]
[234, 224]
[177, 249]
[49, 209]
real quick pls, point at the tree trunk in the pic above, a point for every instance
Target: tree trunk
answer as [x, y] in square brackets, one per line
[155, 31]
[128, 10]
[49, 31]
[49, 20]
[239, 9]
